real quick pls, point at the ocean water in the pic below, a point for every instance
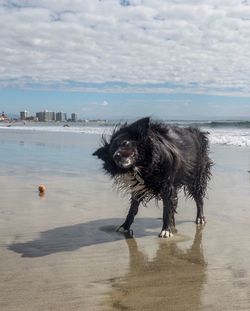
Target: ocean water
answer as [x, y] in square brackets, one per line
[35, 152]
[39, 149]
[233, 133]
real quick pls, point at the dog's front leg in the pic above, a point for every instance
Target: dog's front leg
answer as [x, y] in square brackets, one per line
[169, 209]
[125, 227]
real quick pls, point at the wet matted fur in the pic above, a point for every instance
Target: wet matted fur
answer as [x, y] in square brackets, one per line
[152, 159]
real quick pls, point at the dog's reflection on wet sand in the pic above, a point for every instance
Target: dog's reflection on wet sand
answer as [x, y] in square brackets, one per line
[173, 280]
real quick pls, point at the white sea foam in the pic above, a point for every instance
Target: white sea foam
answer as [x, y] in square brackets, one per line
[231, 136]
[54, 128]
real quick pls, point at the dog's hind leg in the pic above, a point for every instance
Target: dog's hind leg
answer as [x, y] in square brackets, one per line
[125, 227]
[197, 192]
[200, 218]
[169, 209]
[199, 188]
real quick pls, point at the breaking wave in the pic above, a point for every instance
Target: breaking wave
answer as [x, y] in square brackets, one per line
[223, 133]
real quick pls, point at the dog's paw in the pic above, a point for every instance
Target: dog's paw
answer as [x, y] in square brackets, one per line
[166, 234]
[121, 229]
[200, 220]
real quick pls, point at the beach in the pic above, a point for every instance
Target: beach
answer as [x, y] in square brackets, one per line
[60, 251]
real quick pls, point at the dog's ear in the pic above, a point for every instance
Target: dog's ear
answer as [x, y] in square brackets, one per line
[140, 127]
[100, 153]
[103, 152]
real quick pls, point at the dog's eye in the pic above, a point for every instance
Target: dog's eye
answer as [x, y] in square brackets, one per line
[125, 143]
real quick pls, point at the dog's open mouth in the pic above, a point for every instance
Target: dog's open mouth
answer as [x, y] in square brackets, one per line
[124, 159]
[126, 162]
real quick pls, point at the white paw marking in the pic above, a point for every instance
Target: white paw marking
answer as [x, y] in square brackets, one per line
[165, 234]
[200, 221]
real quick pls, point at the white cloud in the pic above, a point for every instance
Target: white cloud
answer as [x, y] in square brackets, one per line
[188, 45]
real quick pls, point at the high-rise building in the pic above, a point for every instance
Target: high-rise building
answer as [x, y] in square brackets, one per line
[24, 115]
[40, 116]
[73, 117]
[61, 116]
[49, 116]
[45, 116]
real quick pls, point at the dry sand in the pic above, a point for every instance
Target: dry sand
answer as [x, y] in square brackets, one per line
[61, 252]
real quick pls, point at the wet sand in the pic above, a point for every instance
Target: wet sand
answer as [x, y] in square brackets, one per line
[61, 251]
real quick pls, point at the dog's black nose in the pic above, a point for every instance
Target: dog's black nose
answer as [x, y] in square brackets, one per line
[117, 156]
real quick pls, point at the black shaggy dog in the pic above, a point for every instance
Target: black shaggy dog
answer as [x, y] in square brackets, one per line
[154, 160]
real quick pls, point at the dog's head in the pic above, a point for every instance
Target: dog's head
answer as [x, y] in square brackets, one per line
[122, 150]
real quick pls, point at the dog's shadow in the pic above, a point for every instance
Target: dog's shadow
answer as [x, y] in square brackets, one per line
[71, 238]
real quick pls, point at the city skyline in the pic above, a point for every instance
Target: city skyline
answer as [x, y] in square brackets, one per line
[127, 106]
[47, 115]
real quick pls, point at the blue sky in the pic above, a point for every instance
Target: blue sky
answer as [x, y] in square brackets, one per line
[113, 59]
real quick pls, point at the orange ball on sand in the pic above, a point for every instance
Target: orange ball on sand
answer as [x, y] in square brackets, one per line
[42, 189]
